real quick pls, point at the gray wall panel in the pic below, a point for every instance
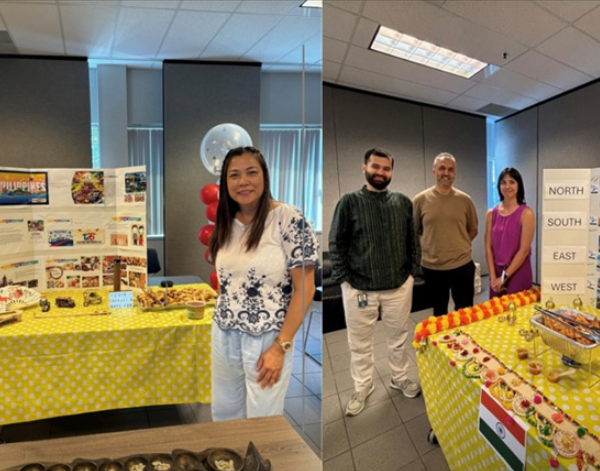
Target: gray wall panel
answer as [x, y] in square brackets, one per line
[197, 97]
[281, 98]
[44, 113]
[516, 146]
[144, 92]
[331, 181]
[464, 136]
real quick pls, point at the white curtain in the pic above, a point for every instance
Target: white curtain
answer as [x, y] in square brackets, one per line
[296, 174]
[146, 148]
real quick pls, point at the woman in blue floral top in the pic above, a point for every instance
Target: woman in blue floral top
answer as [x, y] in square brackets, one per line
[265, 254]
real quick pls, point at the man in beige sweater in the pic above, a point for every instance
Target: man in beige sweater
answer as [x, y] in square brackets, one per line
[446, 221]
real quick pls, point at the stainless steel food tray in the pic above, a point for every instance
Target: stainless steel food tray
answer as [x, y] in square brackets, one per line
[581, 353]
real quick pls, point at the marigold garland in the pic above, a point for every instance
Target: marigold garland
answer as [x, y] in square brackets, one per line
[466, 316]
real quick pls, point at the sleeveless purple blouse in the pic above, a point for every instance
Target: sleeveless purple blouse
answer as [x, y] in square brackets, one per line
[506, 240]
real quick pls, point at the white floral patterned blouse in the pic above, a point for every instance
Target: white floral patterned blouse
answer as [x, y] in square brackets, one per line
[256, 286]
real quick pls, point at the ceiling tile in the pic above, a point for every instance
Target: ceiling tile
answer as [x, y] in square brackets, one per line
[542, 68]
[427, 21]
[34, 28]
[290, 33]
[209, 6]
[313, 52]
[334, 50]
[338, 24]
[386, 65]
[172, 4]
[569, 10]
[514, 82]
[228, 43]
[394, 86]
[186, 39]
[524, 21]
[330, 70]
[590, 23]
[352, 6]
[574, 48]
[140, 32]
[88, 28]
[267, 7]
[365, 33]
[467, 103]
[499, 97]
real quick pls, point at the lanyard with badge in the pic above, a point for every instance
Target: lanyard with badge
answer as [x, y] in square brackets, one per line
[362, 299]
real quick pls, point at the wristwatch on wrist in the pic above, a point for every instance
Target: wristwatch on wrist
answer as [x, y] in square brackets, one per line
[285, 345]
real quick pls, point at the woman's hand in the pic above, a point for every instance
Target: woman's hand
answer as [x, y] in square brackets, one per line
[497, 285]
[269, 366]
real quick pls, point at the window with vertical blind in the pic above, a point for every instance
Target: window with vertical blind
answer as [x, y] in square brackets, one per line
[146, 148]
[296, 173]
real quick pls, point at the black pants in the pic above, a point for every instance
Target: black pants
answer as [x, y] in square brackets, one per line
[460, 281]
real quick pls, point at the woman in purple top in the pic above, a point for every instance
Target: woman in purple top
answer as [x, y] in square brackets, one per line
[509, 230]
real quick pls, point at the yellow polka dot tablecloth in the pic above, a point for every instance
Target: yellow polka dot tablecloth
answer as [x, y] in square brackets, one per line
[452, 400]
[74, 364]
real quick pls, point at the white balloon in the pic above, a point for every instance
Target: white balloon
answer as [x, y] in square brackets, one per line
[220, 140]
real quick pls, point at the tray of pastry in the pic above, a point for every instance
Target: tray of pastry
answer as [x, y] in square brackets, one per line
[570, 332]
[159, 299]
[211, 459]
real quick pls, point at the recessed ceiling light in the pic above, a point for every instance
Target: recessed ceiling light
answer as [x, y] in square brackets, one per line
[313, 4]
[407, 47]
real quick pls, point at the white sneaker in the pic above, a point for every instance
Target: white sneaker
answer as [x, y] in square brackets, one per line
[408, 387]
[357, 402]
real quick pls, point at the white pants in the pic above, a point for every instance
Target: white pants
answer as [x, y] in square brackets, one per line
[235, 392]
[395, 307]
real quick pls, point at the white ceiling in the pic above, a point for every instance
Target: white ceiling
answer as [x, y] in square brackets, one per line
[143, 33]
[550, 46]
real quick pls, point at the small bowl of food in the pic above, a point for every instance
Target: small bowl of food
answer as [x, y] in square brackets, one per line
[195, 309]
[522, 353]
[224, 459]
[534, 367]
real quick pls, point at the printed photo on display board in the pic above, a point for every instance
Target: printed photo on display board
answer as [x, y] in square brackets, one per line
[88, 187]
[19, 187]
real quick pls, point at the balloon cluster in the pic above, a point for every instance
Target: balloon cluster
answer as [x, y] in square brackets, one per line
[209, 195]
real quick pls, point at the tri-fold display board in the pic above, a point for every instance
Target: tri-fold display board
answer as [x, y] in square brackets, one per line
[570, 236]
[63, 228]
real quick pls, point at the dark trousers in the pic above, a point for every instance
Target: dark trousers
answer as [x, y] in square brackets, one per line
[460, 281]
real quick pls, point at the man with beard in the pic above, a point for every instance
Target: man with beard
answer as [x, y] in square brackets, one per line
[375, 254]
[446, 221]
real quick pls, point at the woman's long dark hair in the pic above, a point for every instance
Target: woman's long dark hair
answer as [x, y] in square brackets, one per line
[514, 173]
[227, 207]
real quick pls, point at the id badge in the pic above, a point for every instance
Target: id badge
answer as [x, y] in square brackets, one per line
[362, 299]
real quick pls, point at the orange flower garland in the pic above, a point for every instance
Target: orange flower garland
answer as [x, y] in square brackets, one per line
[465, 316]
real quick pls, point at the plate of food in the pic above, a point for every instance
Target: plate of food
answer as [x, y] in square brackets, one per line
[521, 405]
[159, 299]
[566, 443]
[13, 298]
[446, 338]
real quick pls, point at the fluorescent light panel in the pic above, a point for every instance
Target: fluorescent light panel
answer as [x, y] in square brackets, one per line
[407, 47]
[313, 4]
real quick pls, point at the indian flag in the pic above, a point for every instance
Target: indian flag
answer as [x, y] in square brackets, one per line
[505, 433]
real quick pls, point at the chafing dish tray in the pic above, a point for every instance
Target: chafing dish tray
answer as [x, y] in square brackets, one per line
[562, 343]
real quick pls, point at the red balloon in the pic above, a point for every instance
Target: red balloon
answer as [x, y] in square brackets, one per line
[208, 257]
[214, 280]
[210, 193]
[204, 234]
[211, 212]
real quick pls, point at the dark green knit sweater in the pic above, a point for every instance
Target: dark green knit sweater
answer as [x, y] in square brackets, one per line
[372, 241]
